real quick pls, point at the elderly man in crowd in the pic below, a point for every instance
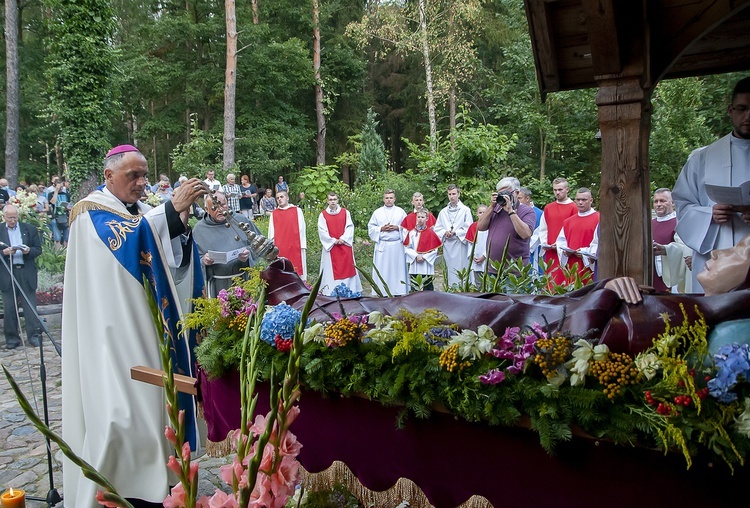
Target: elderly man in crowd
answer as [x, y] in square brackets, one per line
[509, 224]
[224, 251]
[20, 244]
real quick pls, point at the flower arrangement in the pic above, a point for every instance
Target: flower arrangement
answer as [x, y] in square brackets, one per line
[674, 395]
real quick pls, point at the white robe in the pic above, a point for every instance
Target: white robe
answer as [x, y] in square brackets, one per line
[426, 267]
[328, 284]
[388, 257]
[302, 237]
[114, 423]
[725, 162]
[455, 248]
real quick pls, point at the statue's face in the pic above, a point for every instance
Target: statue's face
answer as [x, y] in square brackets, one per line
[726, 269]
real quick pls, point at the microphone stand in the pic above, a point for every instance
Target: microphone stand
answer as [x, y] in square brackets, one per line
[53, 496]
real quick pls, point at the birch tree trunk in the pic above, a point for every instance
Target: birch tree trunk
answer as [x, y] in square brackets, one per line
[319, 109]
[256, 15]
[12, 97]
[230, 84]
[428, 76]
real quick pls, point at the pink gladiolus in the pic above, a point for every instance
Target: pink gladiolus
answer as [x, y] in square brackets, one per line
[193, 471]
[171, 436]
[102, 500]
[186, 451]
[222, 500]
[173, 465]
[289, 444]
[229, 472]
[176, 499]
[181, 417]
[292, 414]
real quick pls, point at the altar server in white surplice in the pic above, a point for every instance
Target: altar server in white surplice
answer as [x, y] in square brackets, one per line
[703, 224]
[389, 259]
[452, 224]
[111, 421]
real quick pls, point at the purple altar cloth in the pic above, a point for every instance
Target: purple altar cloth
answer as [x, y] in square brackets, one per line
[451, 459]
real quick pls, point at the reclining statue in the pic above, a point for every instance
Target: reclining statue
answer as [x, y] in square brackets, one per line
[624, 316]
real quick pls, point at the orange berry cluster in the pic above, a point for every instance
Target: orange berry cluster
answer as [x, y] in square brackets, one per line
[342, 332]
[615, 373]
[551, 354]
[238, 322]
[449, 360]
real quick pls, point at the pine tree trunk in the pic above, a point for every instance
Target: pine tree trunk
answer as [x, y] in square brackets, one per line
[12, 98]
[428, 77]
[319, 109]
[230, 84]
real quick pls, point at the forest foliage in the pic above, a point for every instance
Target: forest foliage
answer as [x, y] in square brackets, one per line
[95, 73]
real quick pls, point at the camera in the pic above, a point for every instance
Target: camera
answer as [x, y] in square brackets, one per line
[504, 197]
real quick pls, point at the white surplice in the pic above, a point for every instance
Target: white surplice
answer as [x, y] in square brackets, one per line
[389, 257]
[456, 248]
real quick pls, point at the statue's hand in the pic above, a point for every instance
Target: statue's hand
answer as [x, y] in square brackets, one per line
[626, 288]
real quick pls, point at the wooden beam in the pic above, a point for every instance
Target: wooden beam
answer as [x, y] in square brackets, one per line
[601, 25]
[184, 384]
[624, 196]
[543, 44]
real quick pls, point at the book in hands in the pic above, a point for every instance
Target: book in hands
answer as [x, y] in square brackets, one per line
[735, 196]
[223, 258]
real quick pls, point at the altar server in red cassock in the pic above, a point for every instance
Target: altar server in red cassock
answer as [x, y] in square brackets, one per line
[421, 252]
[410, 222]
[287, 230]
[550, 224]
[336, 231]
[577, 243]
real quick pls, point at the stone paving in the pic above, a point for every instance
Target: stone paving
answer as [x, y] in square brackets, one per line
[23, 457]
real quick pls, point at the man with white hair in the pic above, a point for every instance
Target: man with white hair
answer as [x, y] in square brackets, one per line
[232, 191]
[509, 224]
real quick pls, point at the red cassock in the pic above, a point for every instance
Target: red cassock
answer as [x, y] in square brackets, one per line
[342, 256]
[554, 216]
[579, 233]
[286, 237]
[410, 221]
[428, 241]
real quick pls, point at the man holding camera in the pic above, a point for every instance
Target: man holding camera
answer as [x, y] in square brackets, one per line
[509, 224]
[59, 200]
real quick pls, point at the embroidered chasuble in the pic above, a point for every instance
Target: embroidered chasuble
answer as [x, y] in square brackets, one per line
[115, 423]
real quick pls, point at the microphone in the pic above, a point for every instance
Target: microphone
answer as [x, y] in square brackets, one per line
[4, 245]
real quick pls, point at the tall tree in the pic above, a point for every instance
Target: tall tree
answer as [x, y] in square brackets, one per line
[79, 67]
[230, 84]
[372, 157]
[319, 105]
[439, 31]
[12, 100]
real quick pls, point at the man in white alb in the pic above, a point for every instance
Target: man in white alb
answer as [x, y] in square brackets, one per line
[389, 259]
[702, 223]
[452, 224]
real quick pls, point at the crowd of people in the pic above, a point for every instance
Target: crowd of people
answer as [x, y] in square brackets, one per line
[119, 245]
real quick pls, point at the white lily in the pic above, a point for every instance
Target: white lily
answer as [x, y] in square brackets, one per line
[647, 364]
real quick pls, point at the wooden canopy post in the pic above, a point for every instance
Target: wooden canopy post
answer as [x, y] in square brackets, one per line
[624, 196]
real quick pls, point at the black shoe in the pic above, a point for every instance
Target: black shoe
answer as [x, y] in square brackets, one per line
[12, 345]
[35, 340]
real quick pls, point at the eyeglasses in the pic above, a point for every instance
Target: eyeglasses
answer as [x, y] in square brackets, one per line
[741, 109]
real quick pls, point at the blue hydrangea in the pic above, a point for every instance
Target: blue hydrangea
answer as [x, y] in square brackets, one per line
[281, 320]
[343, 291]
[731, 363]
